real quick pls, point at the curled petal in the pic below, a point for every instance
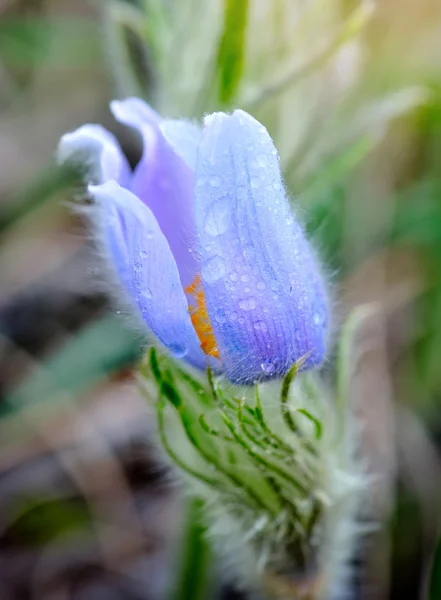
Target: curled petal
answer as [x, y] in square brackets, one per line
[144, 264]
[163, 182]
[97, 150]
[184, 137]
[264, 292]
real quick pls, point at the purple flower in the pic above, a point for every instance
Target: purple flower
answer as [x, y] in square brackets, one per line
[203, 240]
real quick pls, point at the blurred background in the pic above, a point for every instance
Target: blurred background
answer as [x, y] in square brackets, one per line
[351, 93]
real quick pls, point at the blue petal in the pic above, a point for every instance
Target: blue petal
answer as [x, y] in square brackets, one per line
[142, 259]
[264, 291]
[164, 183]
[97, 150]
[184, 137]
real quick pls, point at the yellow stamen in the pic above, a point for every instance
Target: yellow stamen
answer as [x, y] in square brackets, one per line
[200, 319]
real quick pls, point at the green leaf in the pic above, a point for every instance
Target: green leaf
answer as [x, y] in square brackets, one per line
[96, 351]
[131, 63]
[195, 557]
[56, 42]
[46, 186]
[435, 576]
[418, 219]
[231, 52]
[38, 520]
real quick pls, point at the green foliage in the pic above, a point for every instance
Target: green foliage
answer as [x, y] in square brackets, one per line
[231, 52]
[32, 40]
[435, 575]
[192, 570]
[255, 454]
[37, 521]
[97, 351]
[47, 186]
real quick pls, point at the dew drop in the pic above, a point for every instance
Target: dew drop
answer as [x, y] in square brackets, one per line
[233, 315]
[147, 293]
[218, 217]
[276, 186]
[268, 367]
[214, 269]
[149, 235]
[319, 318]
[220, 315]
[144, 253]
[241, 320]
[234, 276]
[247, 303]
[261, 160]
[177, 350]
[260, 326]
[215, 181]
[261, 285]
[245, 278]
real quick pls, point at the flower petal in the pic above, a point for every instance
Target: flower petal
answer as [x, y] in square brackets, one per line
[164, 182]
[184, 137]
[144, 264]
[98, 151]
[264, 292]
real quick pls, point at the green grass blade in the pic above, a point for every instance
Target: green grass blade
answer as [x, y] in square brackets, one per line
[195, 557]
[231, 52]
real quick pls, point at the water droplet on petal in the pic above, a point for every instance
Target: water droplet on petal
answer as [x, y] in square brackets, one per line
[144, 253]
[214, 269]
[255, 183]
[149, 235]
[220, 315]
[276, 186]
[215, 181]
[261, 285]
[260, 326]
[247, 303]
[147, 293]
[261, 160]
[268, 367]
[177, 350]
[234, 276]
[245, 277]
[218, 217]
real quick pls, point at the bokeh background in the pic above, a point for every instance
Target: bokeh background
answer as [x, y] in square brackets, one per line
[351, 93]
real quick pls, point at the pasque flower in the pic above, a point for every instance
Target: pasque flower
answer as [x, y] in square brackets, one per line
[202, 238]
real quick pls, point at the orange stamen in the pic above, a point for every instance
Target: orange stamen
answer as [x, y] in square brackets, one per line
[200, 319]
